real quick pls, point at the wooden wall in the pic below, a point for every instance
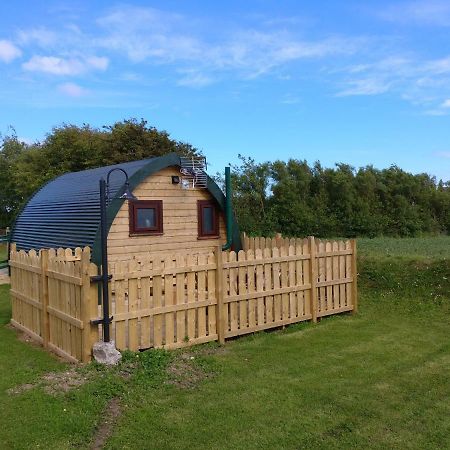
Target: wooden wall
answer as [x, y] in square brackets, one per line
[179, 221]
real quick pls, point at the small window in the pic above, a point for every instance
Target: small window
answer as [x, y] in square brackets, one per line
[208, 220]
[146, 217]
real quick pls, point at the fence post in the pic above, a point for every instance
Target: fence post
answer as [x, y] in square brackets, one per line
[88, 305]
[44, 297]
[219, 296]
[313, 277]
[355, 278]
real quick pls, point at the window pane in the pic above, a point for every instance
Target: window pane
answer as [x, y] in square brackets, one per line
[145, 218]
[208, 220]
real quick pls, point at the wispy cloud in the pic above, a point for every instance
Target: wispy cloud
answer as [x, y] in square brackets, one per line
[72, 89]
[147, 34]
[195, 79]
[444, 154]
[8, 51]
[65, 66]
[40, 36]
[423, 12]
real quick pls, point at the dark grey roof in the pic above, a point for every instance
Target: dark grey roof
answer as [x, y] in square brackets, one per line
[65, 212]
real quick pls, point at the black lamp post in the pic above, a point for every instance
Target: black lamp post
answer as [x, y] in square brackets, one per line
[105, 277]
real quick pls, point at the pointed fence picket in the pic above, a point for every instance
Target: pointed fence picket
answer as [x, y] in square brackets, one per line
[184, 299]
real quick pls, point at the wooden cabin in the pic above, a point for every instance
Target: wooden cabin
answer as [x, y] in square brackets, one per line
[170, 213]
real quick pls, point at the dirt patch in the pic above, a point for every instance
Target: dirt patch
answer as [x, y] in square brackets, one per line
[21, 388]
[105, 429]
[185, 373]
[54, 383]
[57, 382]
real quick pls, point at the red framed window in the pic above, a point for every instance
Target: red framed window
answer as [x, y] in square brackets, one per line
[208, 219]
[146, 217]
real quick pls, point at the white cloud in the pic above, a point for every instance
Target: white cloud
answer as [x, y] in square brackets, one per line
[196, 80]
[64, 66]
[8, 51]
[423, 12]
[365, 86]
[40, 36]
[147, 34]
[446, 103]
[443, 155]
[72, 89]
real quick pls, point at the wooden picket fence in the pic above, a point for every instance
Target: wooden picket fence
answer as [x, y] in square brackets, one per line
[180, 300]
[53, 299]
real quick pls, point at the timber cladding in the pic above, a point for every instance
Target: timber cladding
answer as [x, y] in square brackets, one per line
[180, 221]
[177, 300]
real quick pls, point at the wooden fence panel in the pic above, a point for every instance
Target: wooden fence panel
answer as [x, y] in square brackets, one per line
[26, 293]
[169, 302]
[53, 300]
[180, 300]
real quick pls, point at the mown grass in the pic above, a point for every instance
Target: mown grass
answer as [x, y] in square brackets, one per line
[437, 247]
[378, 379]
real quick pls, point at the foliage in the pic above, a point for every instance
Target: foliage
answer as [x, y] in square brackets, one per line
[291, 197]
[378, 379]
[296, 199]
[24, 168]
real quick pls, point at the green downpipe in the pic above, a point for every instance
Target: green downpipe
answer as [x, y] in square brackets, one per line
[228, 210]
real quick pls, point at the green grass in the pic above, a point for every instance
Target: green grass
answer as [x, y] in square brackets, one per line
[412, 248]
[378, 379]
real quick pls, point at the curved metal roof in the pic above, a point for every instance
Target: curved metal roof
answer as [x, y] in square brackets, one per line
[66, 212]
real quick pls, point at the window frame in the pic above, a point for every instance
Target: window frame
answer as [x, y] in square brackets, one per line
[134, 206]
[201, 204]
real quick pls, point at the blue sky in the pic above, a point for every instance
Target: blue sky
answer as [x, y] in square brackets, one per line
[336, 81]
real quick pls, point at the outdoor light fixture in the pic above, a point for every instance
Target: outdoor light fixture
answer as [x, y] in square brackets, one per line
[127, 195]
[105, 277]
[175, 179]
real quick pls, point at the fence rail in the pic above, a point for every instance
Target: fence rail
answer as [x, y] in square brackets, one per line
[184, 299]
[53, 300]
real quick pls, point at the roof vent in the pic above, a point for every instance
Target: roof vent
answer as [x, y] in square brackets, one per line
[193, 172]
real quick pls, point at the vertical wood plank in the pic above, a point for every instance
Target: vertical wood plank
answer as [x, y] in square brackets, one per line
[354, 274]
[191, 315]
[180, 299]
[242, 286]
[201, 287]
[220, 308]
[278, 309]
[336, 302]
[157, 302]
[291, 283]
[342, 294]
[169, 300]
[268, 301]
[233, 293]
[251, 289]
[284, 284]
[260, 286]
[212, 296]
[313, 278]
[44, 297]
[328, 277]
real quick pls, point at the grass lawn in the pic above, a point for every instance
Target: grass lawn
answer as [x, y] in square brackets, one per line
[378, 379]
[410, 248]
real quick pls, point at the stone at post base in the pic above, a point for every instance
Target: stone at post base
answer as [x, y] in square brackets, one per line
[106, 353]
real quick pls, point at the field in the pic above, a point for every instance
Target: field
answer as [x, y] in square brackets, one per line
[378, 379]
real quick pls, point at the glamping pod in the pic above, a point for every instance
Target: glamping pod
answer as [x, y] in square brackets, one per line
[170, 213]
